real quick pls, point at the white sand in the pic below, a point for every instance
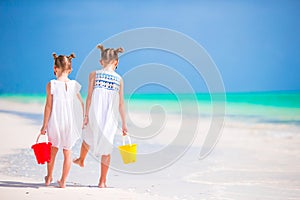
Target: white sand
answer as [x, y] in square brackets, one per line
[251, 161]
[20, 133]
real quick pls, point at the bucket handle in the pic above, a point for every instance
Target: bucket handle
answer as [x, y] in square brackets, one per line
[129, 140]
[38, 137]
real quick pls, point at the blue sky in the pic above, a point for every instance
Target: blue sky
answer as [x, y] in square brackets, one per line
[255, 44]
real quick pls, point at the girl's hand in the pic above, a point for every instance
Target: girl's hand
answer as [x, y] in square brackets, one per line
[124, 130]
[43, 130]
[85, 121]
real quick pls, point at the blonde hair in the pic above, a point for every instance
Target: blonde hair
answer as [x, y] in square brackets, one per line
[62, 61]
[109, 54]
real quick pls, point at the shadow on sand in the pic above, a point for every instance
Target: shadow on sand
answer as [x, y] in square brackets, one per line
[18, 184]
[36, 118]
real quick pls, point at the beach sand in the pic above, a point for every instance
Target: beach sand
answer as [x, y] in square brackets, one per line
[250, 161]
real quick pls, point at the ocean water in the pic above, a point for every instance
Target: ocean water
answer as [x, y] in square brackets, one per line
[266, 107]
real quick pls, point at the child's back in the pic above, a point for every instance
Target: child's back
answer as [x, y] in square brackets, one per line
[63, 131]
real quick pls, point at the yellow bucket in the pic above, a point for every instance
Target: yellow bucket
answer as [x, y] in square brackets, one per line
[128, 152]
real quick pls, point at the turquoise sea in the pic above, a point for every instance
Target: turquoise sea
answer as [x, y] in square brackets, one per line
[267, 107]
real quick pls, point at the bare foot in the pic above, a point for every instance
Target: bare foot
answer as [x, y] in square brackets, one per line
[79, 162]
[48, 180]
[61, 184]
[102, 185]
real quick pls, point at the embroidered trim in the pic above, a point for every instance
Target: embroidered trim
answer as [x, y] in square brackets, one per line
[107, 81]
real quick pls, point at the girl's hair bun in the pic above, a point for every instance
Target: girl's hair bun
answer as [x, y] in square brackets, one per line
[63, 62]
[54, 55]
[101, 47]
[109, 54]
[119, 50]
[71, 56]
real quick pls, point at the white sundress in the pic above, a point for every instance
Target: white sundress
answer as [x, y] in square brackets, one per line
[103, 113]
[65, 123]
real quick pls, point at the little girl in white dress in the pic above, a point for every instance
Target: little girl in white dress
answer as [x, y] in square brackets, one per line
[104, 100]
[103, 112]
[63, 115]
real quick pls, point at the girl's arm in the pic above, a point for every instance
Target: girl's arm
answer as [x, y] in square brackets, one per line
[47, 110]
[81, 102]
[89, 97]
[122, 108]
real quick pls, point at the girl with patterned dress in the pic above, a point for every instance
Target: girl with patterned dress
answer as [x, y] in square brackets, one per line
[62, 115]
[103, 104]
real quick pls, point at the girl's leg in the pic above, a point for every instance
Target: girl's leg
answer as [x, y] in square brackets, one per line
[83, 152]
[105, 161]
[50, 166]
[66, 168]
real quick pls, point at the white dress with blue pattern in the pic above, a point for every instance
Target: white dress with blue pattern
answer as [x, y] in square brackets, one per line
[103, 113]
